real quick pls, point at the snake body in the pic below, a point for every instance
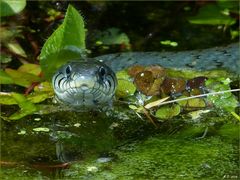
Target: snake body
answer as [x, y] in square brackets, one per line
[92, 82]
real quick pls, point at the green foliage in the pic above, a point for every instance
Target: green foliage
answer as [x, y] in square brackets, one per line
[21, 78]
[39, 95]
[111, 36]
[16, 48]
[27, 103]
[26, 107]
[7, 34]
[189, 74]
[30, 68]
[11, 7]
[215, 14]
[4, 58]
[167, 112]
[169, 43]
[125, 86]
[5, 78]
[234, 33]
[66, 43]
[7, 99]
[8, 40]
[226, 101]
[41, 129]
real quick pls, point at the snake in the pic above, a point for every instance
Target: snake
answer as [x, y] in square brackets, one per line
[92, 82]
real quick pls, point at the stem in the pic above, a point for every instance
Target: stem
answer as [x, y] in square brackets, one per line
[197, 96]
[236, 116]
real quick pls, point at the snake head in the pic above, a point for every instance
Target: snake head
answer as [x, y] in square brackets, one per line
[84, 84]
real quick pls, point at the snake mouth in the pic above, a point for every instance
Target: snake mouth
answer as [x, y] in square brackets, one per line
[84, 96]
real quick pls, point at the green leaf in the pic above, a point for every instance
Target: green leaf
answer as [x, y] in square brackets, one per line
[195, 103]
[112, 36]
[234, 33]
[7, 99]
[22, 78]
[22, 132]
[4, 58]
[167, 112]
[16, 48]
[123, 75]
[11, 7]
[5, 78]
[7, 34]
[22, 101]
[41, 129]
[66, 43]
[39, 96]
[30, 68]
[44, 86]
[226, 101]
[212, 15]
[125, 88]
[35, 97]
[26, 106]
[228, 4]
[189, 74]
[169, 43]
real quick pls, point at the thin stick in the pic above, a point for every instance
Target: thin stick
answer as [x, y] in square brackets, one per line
[201, 95]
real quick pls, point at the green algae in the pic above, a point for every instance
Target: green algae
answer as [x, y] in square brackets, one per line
[165, 158]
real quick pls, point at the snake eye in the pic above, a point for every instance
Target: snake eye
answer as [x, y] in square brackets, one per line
[102, 71]
[68, 70]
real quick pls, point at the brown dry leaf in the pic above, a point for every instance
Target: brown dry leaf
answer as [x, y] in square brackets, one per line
[173, 85]
[134, 70]
[157, 71]
[196, 82]
[155, 88]
[144, 81]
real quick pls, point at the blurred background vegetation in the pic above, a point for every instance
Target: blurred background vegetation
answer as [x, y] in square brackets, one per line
[120, 26]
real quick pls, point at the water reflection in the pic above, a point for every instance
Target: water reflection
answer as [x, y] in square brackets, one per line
[72, 136]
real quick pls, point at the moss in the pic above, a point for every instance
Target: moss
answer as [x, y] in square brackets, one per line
[165, 157]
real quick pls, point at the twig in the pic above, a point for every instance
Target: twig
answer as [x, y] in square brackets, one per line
[197, 96]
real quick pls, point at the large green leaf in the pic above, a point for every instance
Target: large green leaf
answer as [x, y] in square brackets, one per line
[7, 99]
[30, 68]
[11, 7]
[21, 78]
[66, 43]
[5, 78]
[225, 101]
[212, 15]
[167, 112]
[26, 106]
